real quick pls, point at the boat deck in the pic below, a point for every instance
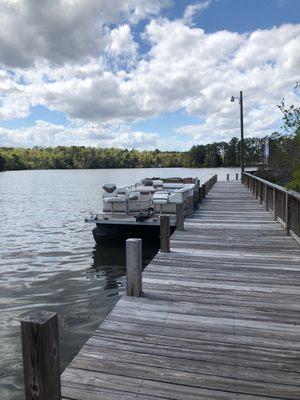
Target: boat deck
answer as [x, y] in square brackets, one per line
[125, 219]
[219, 319]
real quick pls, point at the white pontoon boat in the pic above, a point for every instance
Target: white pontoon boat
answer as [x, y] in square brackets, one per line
[137, 208]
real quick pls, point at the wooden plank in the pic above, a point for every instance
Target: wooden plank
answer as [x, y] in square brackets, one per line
[219, 318]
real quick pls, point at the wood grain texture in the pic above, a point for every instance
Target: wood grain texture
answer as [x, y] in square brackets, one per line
[134, 267]
[40, 345]
[165, 233]
[219, 318]
[179, 217]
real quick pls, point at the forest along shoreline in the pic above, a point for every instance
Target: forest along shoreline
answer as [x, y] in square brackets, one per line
[282, 165]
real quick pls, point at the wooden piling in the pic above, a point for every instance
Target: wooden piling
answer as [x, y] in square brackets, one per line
[165, 233]
[227, 177]
[134, 267]
[237, 176]
[180, 217]
[40, 345]
[203, 191]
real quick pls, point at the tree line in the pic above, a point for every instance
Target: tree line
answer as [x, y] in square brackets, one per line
[282, 166]
[77, 157]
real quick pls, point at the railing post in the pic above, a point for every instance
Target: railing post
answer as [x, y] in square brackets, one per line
[287, 212]
[227, 177]
[165, 233]
[260, 192]
[274, 204]
[266, 197]
[196, 194]
[190, 206]
[203, 191]
[179, 217]
[40, 345]
[134, 267]
[200, 194]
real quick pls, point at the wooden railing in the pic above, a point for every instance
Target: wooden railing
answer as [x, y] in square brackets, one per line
[284, 204]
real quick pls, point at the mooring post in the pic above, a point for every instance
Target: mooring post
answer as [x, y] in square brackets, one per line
[237, 176]
[227, 177]
[179, 217]
[134, 267]
[165, 233]
[40, 346]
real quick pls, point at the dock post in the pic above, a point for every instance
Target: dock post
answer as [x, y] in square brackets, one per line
[134, 267]
[179, 217]
[203, 191]
[165, 233]
[237, 176]
[40, 346]
[227, 177]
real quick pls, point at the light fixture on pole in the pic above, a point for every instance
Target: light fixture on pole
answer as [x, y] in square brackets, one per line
[240, 98]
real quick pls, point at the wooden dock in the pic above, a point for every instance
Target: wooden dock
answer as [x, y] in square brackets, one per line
[219, 318]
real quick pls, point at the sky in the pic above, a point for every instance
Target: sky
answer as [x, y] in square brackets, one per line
[144, 74]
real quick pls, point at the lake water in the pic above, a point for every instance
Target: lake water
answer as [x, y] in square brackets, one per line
[48, 258]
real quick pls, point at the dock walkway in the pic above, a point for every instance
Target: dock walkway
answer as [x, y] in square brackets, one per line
[219, 319]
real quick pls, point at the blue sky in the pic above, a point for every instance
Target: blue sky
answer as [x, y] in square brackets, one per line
[133, 76]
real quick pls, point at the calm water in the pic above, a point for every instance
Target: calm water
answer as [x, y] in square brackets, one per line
[48, 258]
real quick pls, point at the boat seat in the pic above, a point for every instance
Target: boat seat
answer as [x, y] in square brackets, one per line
[115, 203]
[122, 190]
[160, 197]
[171, 185]
[158, 183]
[114, 199]
[109, 190]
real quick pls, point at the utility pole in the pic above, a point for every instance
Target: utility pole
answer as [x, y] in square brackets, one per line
[242, 132]
[242, 152]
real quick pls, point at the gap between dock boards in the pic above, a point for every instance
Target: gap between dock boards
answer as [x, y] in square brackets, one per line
[219, 318]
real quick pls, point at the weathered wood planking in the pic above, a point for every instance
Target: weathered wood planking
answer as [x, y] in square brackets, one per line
[219, 318]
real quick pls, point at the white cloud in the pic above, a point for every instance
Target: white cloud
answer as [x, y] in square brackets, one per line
[185, 68]
[83, 134]
[193, 9]
[63, 30]
[121, 41]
